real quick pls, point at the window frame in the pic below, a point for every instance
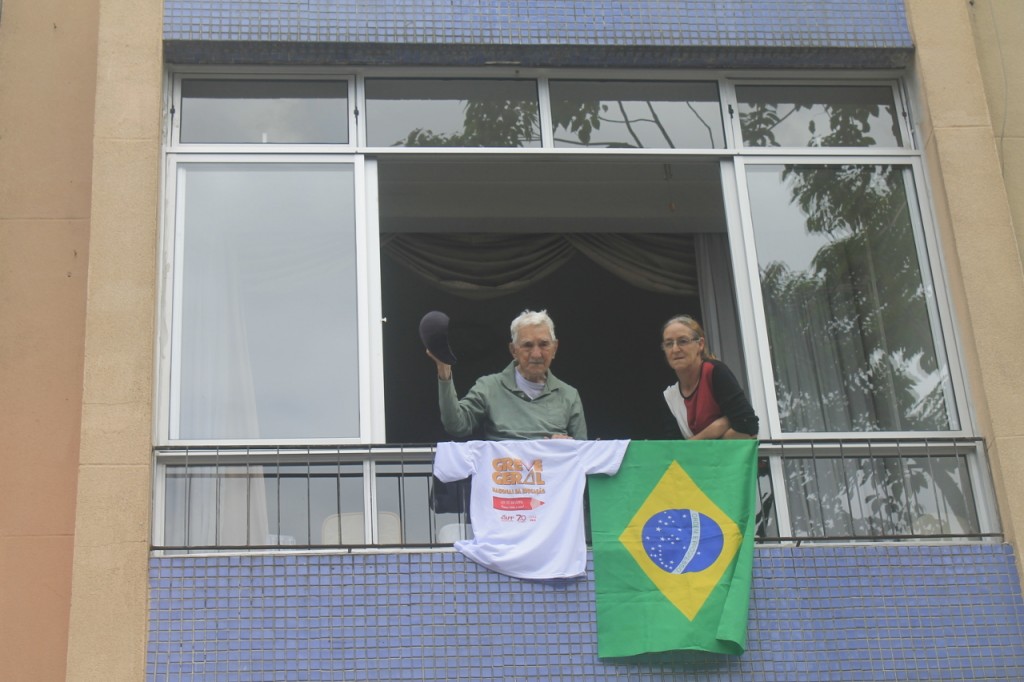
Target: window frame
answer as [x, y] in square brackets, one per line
[733, 159]
[173, 137]
[364, 107]
[367, 282]
[717, 83]
[542, 78]
[907, 132]
[927, 248]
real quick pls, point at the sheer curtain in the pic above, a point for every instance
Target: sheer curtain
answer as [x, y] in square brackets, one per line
[223, 505]
[718, 302]
[217, 396]
[215, 505]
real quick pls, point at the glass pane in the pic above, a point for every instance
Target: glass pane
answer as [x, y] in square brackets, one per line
[293, 490]
[872, 497]
[213, 505]
[337, 507]
[175, 506]
[451, 113]
[264, 111]
[267, 323]
[288, 504]
[203, 527]
[818, 116]
[403, 492]
[639, 114]
[850, 311]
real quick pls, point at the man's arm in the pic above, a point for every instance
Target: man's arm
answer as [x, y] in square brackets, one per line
[460, 417]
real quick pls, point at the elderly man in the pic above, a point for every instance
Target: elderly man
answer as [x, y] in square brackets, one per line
[523, 402]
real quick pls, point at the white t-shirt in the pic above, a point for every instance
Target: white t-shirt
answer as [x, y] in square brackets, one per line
[527, 500]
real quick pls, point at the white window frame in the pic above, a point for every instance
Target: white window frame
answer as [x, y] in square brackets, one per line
[542, 78]
[174, 129]
[734, 158]
[371, 371]
[929, 258]
[902, 111]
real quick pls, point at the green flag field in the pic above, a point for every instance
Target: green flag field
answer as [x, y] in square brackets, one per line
[673, 538]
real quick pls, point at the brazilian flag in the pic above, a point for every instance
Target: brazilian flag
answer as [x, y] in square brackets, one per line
[673, 536]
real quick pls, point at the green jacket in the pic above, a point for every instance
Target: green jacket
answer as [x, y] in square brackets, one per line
[500, 411]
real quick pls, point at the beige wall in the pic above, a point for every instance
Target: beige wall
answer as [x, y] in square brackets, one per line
[976, 229]
[47, 72]
[109, 585]
[999, 36]
[999, 43]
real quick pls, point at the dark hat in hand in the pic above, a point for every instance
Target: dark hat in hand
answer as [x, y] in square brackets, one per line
[434, 334]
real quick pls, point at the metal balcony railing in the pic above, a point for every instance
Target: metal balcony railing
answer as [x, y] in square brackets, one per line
[869, 490]
[384, 496]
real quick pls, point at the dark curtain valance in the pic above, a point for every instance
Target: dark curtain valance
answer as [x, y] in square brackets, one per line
[485, 266]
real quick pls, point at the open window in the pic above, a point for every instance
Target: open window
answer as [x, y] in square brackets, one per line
[610, 247]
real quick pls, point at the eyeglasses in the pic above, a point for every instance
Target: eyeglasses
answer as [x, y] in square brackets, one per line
[669, 344]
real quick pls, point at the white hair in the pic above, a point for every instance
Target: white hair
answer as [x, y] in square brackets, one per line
[532, 318]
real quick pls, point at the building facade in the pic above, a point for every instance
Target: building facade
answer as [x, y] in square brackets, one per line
[203, 202]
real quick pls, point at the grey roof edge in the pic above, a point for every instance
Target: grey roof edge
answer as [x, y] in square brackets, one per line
[277, 53]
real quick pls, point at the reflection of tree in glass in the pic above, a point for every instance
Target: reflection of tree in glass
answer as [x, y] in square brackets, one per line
[850, 124]
[487, 123]
[505, 123]
[879, 497]
[861, 305]
[582, 118]
[857, 318]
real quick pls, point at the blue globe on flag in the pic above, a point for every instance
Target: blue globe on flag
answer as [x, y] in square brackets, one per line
[682, 540]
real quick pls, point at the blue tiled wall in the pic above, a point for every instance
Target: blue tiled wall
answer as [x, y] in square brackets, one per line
[726, 33]
[873, 613]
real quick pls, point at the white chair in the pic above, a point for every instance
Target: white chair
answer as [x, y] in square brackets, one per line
[352, 529]
[451, 532]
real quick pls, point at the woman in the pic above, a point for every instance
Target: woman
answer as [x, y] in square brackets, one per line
[706, 402]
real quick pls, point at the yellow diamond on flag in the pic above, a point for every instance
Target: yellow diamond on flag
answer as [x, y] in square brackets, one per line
[682, 540]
